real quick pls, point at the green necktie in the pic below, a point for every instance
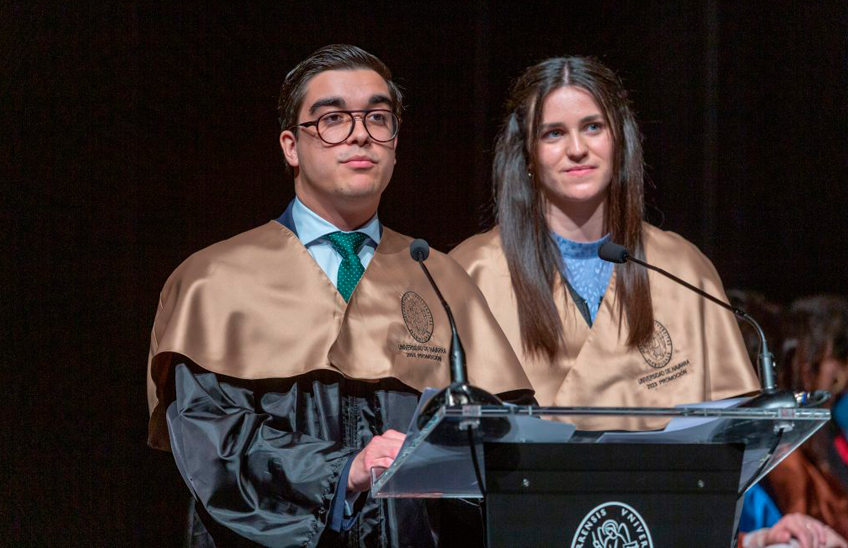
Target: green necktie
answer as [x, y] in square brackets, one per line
[351, 269]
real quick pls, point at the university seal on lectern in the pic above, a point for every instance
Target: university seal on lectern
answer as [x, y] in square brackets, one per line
[612, 525]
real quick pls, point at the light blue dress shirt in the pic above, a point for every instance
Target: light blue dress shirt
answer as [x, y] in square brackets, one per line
[312, 229]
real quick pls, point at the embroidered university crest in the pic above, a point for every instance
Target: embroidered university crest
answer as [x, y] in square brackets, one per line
[417, 316]
[657, 351]
[612, 525]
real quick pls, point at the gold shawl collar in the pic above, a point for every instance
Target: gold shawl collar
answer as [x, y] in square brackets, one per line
[597, 368]
[258, 306]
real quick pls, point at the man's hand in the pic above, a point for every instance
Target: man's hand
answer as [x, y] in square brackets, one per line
[379, 453]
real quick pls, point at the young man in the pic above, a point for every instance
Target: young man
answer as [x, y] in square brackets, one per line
[285, 362]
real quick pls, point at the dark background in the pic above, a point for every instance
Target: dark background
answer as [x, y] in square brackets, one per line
[135, 133]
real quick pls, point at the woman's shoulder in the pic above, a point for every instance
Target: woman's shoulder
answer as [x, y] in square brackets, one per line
[671, 251]
[485, 246]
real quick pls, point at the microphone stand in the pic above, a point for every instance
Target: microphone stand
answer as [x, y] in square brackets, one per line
[770, 396]
[459, 391]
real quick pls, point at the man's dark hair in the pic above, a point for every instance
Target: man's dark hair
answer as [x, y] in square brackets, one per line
[332, 57]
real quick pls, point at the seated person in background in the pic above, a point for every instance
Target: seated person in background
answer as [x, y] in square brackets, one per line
[812, 480]
[762, 523]
[568, 177]
[285, 361]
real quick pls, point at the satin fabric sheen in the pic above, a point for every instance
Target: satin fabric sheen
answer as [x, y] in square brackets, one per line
[263, 458]
[257, 306]
[596, 368]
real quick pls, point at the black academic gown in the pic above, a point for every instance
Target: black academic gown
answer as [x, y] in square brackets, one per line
[266, 456]
[262, 456]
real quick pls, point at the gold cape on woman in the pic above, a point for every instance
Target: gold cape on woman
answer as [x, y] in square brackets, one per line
[258, 306]
[696, 352]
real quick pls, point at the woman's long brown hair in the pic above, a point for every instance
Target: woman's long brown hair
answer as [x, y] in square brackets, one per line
[532, 256]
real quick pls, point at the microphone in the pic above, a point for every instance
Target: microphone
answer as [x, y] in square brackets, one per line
[459, 392]
[613, 253]
[419, 250]
[770, 396]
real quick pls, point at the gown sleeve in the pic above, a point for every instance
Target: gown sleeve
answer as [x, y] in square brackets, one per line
[249, 467]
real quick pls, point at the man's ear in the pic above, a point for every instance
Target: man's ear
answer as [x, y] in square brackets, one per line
[288, 143]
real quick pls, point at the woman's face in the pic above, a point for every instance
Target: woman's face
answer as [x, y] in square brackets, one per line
[575, 150]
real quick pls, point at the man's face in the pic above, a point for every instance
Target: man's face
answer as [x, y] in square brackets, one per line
[349, 177]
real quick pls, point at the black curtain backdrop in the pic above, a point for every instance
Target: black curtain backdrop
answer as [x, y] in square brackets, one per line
[135, 133]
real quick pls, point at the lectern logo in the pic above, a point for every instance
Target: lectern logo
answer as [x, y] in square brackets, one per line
[417, 316]
[612, 525]
[657, 351]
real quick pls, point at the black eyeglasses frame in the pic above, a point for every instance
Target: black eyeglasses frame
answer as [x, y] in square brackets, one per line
[364, 112]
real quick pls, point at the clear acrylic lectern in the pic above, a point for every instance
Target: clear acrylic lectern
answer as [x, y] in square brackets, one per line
[548, 484]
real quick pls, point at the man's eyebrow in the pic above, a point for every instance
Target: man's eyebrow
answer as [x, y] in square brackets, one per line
[379, 98]
[337, 102]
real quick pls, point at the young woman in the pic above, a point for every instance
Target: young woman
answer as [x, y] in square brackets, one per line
[568, 176]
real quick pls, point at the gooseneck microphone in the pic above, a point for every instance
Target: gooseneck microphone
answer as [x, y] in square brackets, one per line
[459, 392]
[420, 250]
[770, 396]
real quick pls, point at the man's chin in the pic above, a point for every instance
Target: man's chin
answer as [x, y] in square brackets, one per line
[362, 189]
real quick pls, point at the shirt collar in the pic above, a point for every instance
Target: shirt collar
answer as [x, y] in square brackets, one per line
[311, 227]
[578, 250]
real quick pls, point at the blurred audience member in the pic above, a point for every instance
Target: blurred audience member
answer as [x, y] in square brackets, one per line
[761, 522]
[812, 480]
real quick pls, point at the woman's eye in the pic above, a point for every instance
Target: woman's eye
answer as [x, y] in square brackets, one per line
[594, 127]
[552, 134]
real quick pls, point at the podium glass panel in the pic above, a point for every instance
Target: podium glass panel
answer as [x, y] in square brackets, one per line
[436, 462]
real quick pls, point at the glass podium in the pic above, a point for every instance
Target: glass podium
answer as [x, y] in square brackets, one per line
[548, 484]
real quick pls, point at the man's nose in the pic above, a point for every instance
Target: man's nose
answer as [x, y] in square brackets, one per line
[359, 135]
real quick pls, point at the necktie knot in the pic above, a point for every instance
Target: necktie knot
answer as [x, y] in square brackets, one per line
[347, 245]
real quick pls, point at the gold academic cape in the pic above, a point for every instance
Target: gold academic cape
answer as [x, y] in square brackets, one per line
[696, 352]
[258, 306]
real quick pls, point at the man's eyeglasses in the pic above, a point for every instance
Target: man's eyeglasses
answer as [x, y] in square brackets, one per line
[336, 126]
